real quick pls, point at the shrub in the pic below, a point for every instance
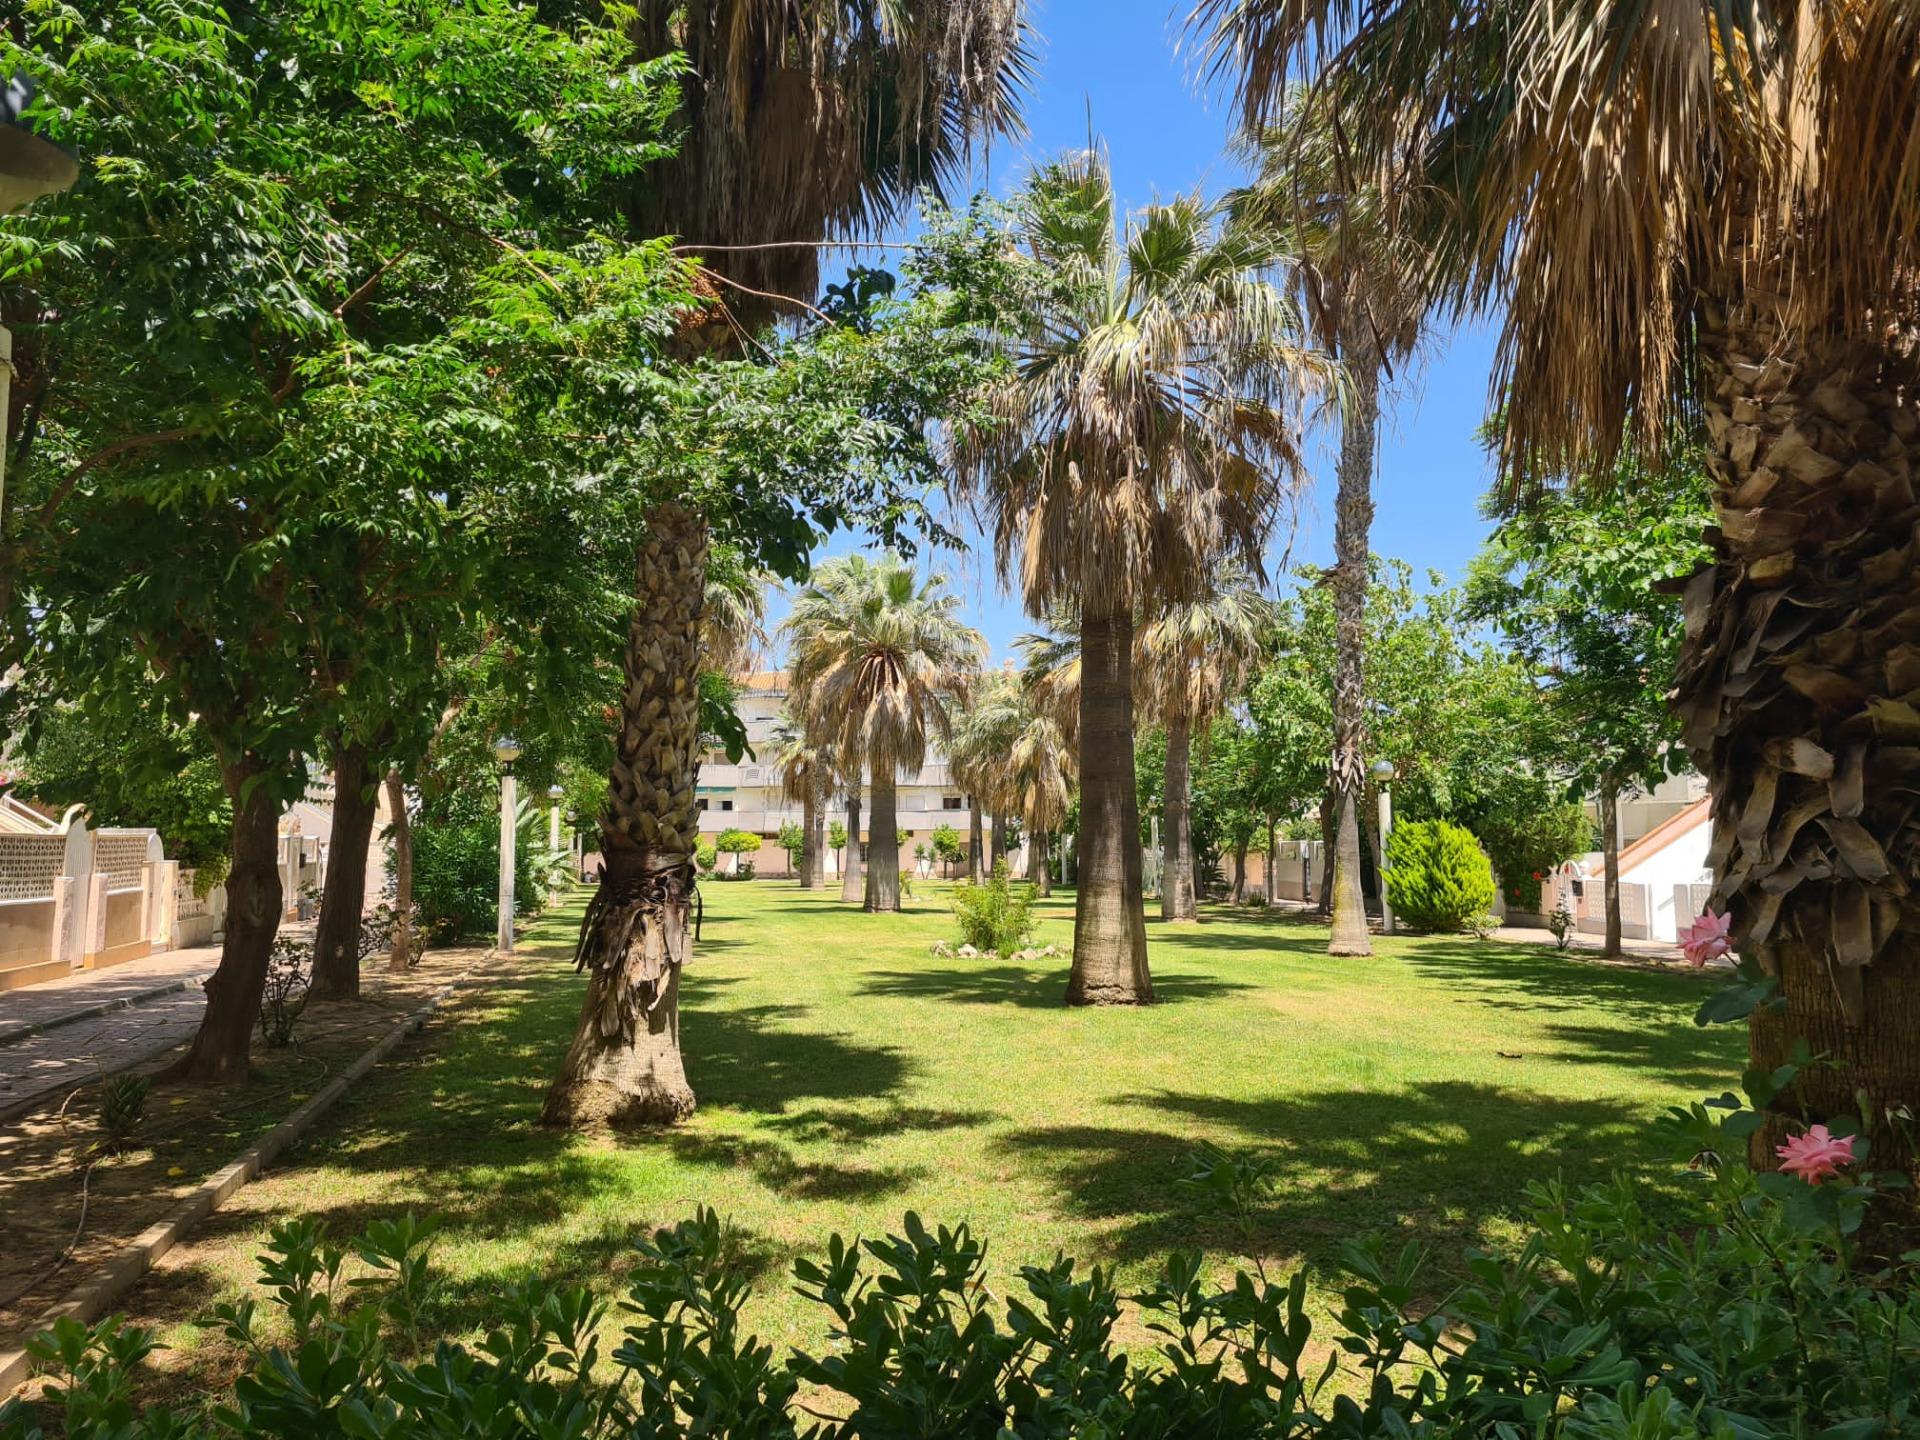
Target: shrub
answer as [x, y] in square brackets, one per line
[456, 868]
[706, 857]
[123, 1105]
[793, 840]
[1755, 1320]
[948, 846]
[284, 1000]
[1531, 843]
[836, 836]
[995, 914]
[1437, 877]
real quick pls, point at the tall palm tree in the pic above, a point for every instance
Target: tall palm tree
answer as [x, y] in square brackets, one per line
[1040, 770]
[1191, 658]
[983, 730]
[882, 655]
[806, 775]
[733, 617]
[1699, 216]
[797, 123]
[1355, 269]
[1146, 431]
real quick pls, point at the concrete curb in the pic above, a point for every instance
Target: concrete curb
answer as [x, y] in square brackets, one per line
[97, 1294]
[101, 1007]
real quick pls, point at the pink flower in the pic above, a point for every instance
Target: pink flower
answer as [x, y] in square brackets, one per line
[1816, 1155]
[1707, 938]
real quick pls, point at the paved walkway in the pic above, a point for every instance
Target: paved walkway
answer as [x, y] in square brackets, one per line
[65, 1032]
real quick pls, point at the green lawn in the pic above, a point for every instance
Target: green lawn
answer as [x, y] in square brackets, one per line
[845, 1076]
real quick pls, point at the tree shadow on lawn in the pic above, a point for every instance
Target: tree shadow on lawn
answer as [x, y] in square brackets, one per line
[1028, 987]
[1530, 977]
[1437, 1164]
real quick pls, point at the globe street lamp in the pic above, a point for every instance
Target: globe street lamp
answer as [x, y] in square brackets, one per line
[1383, 773]
[29, 169]
[506, 750]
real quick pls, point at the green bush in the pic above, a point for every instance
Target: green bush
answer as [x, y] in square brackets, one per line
[1754, 1319]
[706, 857]
[793, 840]
[1437, 877]
[995, 914]
[456, 869]
[1529, 845]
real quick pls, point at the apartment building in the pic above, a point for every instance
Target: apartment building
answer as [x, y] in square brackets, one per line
[747, 796]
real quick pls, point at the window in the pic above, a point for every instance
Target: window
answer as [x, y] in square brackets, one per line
[726, 804]
[952, 802]
[701, 804]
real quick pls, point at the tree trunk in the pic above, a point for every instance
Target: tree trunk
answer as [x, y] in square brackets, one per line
[1040, 866]
[1329, 845]
[1240, 845]
[400, 957]
[809, 854]
[254, 900]
[1353, 519]
[852, 886]
[624, 1066]
[336, 937]
[820, 793]
[999, 839]
[976, 835]
[1610, 858]
[1177, 900]
[1109, 929]
[883, 844]
[1797, 691]
[1273, 859]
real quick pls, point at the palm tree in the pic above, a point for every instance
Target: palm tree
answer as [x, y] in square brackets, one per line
[878, 656]
[796, 122]
[1143, 434]
[1701, 219]
[983, 731]
[806, 775]
[1191, 658]
[1040, 769]
[1355, 270]
[733, 617]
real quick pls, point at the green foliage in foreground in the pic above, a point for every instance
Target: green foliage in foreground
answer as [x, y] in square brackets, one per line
[1750, 1324]
[1437, 877]
[996, 914]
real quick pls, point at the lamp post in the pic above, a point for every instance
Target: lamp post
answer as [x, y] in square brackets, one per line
[506, 750]
[554, 795]
[29, 169]
[1383, 773]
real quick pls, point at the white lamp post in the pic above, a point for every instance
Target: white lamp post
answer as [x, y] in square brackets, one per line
[29, 169]
[506, 750]
[555, 793]
[1383, 773]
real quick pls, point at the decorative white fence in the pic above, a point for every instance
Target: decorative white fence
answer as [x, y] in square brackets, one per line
[73, 898]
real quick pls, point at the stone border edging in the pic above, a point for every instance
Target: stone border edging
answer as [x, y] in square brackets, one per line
[95, 1295]
[99, 1008]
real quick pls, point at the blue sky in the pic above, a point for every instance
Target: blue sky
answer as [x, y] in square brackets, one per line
[1120, 62]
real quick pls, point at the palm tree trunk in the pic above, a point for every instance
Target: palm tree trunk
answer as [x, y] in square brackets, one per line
[883, 844]
[336, 937]
[852, 887]
[1353, 519]
[1040, 868]
[1797, 690]
[1240, 844]
[1176, 818]
[624, 1066]
[819, 798]
[1329, 845]
[400, 957]
[809, 855]
[1109, 929]
[999, 838]
[1610, 857]
[224, 1040]
[976, 833]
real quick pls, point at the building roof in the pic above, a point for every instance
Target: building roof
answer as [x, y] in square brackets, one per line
[1665, 833]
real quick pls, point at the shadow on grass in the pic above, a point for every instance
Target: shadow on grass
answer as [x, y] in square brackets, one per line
[1439, 1164]
[1027, 987]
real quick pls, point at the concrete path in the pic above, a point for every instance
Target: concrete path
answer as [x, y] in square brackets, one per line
[69, 1031]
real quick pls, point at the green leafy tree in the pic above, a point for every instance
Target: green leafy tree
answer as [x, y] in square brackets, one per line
[793, 840]
[1569, 582]
[948, 846]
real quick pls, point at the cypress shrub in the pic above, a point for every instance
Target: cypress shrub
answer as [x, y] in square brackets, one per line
[1438, 878]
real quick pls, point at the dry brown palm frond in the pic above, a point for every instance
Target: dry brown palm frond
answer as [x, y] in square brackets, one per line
[1191, 658]
[1607, 179]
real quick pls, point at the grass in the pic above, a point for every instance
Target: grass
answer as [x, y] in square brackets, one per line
[846, 1076]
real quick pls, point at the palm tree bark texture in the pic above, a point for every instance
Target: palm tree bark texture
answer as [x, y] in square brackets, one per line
[1177, 898]
[883, 844]
[1799, 688]
[852, 885]
[1353, 519]
[1109, 930]
[624, 1067]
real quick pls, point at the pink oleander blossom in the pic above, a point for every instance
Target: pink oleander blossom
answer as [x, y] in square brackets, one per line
[1707, 938]
[1815, 1155]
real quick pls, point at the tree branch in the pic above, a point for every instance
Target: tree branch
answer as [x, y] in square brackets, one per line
[100, 457]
